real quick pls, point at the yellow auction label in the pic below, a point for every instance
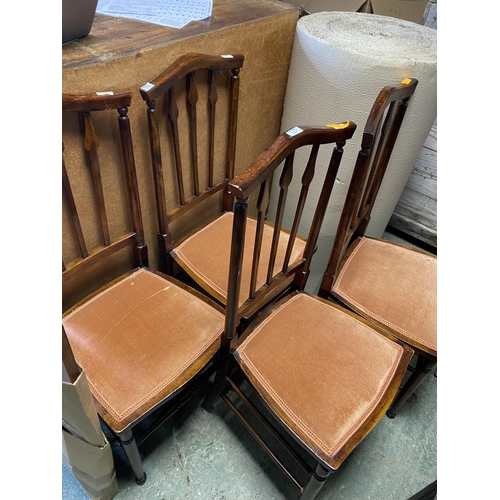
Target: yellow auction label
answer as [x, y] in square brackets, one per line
[338, 125]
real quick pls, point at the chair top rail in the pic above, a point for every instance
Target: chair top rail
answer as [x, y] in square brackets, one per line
[387, 95]
[185, 65]
[97, 101]
[267, 162]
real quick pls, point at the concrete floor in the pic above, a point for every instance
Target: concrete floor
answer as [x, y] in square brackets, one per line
[211, 456]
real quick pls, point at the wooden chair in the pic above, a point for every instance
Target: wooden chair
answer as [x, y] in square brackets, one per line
[391, 285]
[203, 253]
[309, 361]
[145, 341]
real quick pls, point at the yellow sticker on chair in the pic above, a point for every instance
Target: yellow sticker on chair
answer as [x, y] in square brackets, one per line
[406, 81]
[338, 125]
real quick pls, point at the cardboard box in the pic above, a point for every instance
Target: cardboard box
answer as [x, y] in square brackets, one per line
[409, 10]
[85, 449]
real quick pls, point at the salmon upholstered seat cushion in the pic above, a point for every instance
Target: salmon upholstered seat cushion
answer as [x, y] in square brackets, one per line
[140, 340]
[394, 285]
[321, 370]
[205, 255]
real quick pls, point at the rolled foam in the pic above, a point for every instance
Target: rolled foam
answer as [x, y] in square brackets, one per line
[340, 62]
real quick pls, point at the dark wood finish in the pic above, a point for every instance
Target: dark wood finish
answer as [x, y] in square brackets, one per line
[273, 418]
[255, 179]
[94, 194]
[257, 174]
[379, 137]
[71, 369]
[307, 178]
[383, 125]
[315, 483]
[119, 38]
[425, 365]
[96, 102]
[87, 104]
[188, 69]
[384, 403]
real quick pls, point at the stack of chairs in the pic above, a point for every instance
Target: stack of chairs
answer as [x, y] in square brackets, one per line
[227, 303]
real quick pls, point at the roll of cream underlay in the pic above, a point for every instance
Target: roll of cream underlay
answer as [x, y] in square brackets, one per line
[340, 62]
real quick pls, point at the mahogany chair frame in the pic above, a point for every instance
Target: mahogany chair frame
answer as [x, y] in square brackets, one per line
[379, 138]
[229, 375]
[257, 177]
[187, 67]
[85, 104]
[316, 469]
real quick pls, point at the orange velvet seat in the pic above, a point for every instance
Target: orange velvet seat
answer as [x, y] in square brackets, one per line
[205, 255]
[146, 342]
[322, 371]
[395, 286]
[140, 340]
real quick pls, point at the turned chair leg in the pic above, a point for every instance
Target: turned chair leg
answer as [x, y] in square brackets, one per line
[129, 444]
[315, 483]
[424, 367]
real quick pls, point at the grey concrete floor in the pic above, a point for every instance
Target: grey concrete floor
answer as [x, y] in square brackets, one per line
[211, 456]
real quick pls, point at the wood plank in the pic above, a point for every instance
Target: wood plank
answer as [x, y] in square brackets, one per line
[416, 211]
[430, 14]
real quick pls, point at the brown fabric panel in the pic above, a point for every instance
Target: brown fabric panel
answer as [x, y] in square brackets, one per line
[323, 368]
[139, 336]
[207, 255]
[396, 286]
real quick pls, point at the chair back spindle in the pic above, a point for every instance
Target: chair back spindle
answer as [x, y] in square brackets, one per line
[257, 177]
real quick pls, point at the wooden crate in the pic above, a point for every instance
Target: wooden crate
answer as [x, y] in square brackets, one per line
[416, 212]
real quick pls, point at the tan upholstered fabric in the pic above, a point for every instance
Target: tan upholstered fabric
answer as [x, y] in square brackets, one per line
[324, 369]
[137, 338]
[395, 286]
[205, 255]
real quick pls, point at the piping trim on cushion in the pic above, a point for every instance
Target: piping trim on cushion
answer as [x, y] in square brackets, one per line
[329, 451]
[119, 417]
[371, 313]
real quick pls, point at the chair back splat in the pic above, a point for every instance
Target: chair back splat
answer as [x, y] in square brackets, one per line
[258, 177]
[181, 81]
[146, 342]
